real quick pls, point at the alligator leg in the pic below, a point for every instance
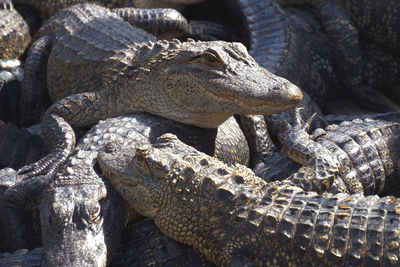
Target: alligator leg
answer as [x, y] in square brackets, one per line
[320, 167]
[79, 110]
[34, 85]
[348, 57]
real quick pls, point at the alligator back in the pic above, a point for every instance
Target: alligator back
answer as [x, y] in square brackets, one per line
[88, 43]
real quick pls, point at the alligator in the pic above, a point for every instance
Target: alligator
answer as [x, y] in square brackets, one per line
[143, 245]
[359, 156]
[349, 25]
[297, 48]
[79, 211]
[379, 22]
[115, 72]
[235, 218]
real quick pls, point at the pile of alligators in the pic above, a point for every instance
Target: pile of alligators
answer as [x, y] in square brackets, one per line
[210, 118]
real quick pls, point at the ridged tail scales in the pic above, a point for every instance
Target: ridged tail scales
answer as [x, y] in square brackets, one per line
[363, 153]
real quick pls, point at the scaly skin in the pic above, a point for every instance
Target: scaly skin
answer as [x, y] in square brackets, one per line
[292, 42]
[236, 218]
[378, 21]
[50, 8]
[81, 216]
[14, 34]
[124, 71]
[143, 245]
[350, 24]
[361, 155]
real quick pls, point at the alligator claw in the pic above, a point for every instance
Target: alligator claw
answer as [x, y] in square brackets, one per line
[45, 166]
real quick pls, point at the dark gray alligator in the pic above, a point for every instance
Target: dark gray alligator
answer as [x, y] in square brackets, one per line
[81, 215]
[349, 25]
[378, 21]
[235, 218]
[293, 43]
[114, 72]
[359, 156]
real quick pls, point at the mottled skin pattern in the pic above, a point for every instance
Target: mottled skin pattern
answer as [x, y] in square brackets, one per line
[364, 155]
[124, 70]
[236, 218]
[81, 216]
[14, 34]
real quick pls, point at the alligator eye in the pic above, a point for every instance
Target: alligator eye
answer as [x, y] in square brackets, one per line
[212, 58]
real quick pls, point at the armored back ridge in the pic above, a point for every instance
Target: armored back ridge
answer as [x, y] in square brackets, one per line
[234, 217]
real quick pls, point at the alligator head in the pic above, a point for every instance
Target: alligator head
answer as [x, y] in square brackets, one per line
[81, 224]
[204, 83]
[139, 173]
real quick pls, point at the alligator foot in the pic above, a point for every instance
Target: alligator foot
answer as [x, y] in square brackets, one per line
[47, 165]
[320, 166]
